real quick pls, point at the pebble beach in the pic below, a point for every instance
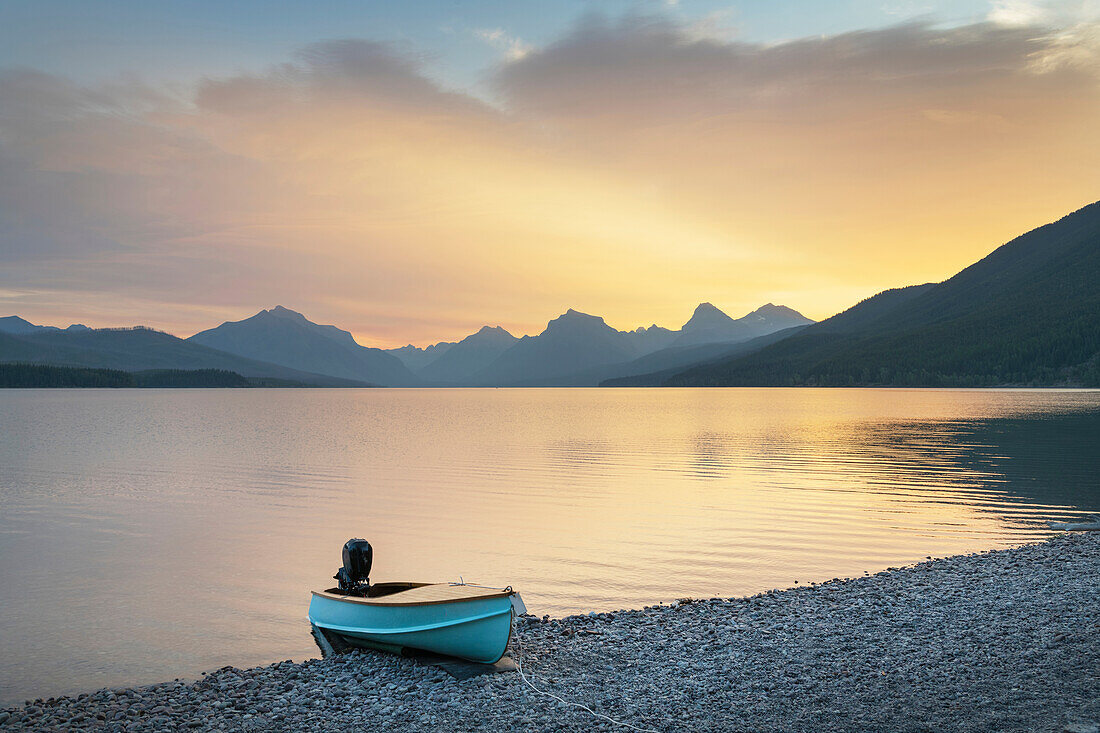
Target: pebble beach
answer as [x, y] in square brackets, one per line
[1007, 640]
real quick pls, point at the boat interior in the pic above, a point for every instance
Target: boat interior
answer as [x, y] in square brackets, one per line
[377, 590]
[416, 594]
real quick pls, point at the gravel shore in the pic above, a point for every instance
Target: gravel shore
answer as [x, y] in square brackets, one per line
[999, 641]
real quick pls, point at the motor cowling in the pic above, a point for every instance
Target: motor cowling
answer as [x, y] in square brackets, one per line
[355, 574]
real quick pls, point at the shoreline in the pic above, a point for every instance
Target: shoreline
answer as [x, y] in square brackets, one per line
[999, 640]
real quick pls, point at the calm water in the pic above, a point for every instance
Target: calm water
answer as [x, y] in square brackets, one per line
[153, 534]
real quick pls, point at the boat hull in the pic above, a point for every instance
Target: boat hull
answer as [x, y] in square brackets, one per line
[477, 630]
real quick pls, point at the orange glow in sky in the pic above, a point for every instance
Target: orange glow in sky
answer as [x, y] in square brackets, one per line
[630, 169]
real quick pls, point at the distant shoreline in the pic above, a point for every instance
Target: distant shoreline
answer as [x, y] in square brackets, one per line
[46, 376]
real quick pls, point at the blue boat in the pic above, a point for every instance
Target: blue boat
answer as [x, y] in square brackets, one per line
[466, 621]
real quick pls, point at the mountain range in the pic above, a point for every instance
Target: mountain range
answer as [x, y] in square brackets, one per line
[19, 326]
[574, 349]
[1028, 313]
[142, 349]
[578, 349]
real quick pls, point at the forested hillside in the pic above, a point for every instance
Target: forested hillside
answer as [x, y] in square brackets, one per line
[1028, 314]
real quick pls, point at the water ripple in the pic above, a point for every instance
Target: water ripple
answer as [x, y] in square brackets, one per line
[208, 515]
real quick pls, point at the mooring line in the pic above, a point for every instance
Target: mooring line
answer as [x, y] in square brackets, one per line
[519, 668]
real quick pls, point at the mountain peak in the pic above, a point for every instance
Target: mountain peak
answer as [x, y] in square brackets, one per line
[15, 324]
[574, 324]
[771, 310]
[491, 335]
[706, 315]
[287, 338]
[282, 312]
[575, 317]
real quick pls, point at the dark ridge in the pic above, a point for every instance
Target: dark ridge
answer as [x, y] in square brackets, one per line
[47, 375]
[1028, 314]
[189, 378]
[44, 375]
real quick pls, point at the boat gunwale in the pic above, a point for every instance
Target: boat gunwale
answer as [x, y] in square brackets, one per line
[409, 629]
[377, 603]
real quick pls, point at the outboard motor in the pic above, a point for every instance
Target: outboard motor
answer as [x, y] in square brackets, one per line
[354, 577]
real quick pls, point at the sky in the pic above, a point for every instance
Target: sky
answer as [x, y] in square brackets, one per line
[413, 171]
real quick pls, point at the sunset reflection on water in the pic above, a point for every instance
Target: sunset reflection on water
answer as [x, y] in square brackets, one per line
[184, 529]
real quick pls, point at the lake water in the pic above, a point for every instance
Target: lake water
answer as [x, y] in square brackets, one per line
[153, 534]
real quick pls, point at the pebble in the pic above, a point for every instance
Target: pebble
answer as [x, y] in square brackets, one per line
[1006, 640]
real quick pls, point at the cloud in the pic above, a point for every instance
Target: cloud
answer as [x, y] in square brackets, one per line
[632, 168]
[907, 8]
[1049, 13]
[345, 175]
[354, 73]
[1018, 13]
[514, 48]
[655, 69]
[903, 145]
[717, 25]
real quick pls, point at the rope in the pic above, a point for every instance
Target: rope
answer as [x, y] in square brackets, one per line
[464, 584]
[519, 668]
